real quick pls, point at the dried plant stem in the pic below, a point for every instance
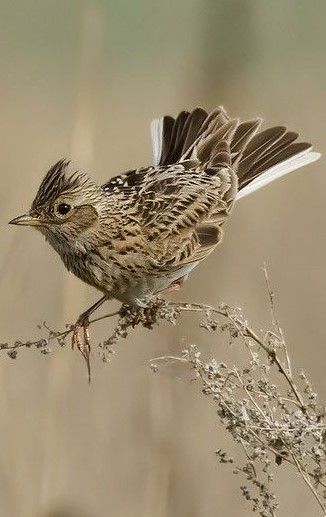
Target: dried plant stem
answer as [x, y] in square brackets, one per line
[275, 321]
[305, 476]
[270, 420]
[248, 332]
[53, 335]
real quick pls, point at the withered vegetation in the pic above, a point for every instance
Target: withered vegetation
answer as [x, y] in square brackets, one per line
[270, 411]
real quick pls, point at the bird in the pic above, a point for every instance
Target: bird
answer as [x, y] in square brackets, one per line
[141, 233]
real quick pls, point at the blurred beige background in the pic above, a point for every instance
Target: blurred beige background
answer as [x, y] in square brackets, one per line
[83, 80]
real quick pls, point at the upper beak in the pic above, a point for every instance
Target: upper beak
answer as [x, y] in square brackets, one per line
[26, 220]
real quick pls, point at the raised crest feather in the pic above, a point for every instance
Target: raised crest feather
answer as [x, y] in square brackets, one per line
[60, 179]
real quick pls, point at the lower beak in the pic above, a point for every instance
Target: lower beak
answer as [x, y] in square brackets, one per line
[26, 220]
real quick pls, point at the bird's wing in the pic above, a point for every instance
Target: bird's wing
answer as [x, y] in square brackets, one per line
[182, 201]
[180, 208]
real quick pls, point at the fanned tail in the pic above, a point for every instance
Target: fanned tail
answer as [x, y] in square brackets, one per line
[218, 141]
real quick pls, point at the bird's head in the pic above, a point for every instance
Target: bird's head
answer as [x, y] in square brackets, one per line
[67, 204]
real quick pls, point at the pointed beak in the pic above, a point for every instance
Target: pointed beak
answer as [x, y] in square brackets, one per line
[26, 220]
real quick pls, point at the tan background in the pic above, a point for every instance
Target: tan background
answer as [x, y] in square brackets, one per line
[82, 80]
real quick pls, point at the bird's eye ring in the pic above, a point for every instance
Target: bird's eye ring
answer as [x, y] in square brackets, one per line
[63, 209]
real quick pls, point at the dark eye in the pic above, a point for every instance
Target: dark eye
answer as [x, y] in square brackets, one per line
[63, 209]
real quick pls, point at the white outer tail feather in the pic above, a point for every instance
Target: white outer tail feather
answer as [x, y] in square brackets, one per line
[156, 135]
[279, 170]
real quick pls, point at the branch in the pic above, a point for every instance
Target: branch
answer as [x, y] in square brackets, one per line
[271, 412]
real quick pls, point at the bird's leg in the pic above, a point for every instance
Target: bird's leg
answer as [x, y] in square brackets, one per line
[175, 286]
[80, 335]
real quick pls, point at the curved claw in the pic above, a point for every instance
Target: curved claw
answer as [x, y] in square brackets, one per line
[80, 338]
[80, 334]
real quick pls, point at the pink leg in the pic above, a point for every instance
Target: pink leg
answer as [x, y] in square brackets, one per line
[175, 286]
[80, 335]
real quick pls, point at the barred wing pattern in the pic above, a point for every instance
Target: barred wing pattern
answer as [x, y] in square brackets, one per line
[179, 208]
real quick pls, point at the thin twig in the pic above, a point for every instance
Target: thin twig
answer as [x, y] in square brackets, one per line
[257, 413]
[275, 320]
[305, 477]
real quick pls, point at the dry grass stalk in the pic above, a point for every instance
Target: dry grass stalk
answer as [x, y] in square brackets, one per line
[271, 413]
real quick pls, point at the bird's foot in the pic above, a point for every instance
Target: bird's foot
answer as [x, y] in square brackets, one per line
[145, 314]
[80, 339]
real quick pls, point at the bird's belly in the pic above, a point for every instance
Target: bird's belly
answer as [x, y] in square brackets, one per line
[135, 286]
[138, 290]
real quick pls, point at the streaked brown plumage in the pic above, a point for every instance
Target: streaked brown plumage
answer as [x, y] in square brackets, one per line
[142, 232]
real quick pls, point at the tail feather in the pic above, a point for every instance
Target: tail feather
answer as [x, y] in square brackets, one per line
[218, 141]
[207, 147]
[174, 139]
[221, 157]
[176, 136]
[244, 133]
[193, 128]
[279, 170]
[273, 158]
[258, 146]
